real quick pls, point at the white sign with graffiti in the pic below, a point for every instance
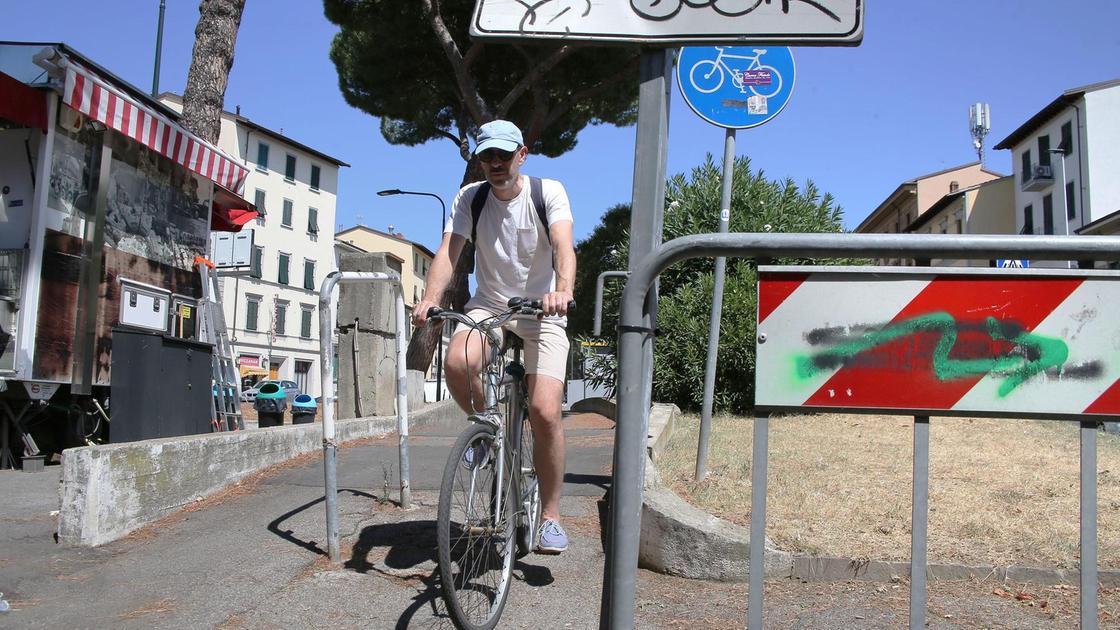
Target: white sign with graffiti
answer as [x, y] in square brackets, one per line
[1022, 342]
[674, 22]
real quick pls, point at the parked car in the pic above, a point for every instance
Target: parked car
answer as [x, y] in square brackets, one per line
[291, 390]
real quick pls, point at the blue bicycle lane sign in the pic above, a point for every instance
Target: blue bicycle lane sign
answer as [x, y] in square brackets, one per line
[736, 87]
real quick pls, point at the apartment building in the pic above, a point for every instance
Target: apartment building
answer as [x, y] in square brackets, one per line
[913, 198]
[414, 259]
[272, 309]
[985, 208]
[1065, 159]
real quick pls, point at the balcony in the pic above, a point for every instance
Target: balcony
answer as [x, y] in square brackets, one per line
[1040, 177]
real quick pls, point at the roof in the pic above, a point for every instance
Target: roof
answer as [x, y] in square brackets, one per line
[131, 90]
[395, 237]
[241, 120]
[1067, 98]
[912, 184]
[1104, 225]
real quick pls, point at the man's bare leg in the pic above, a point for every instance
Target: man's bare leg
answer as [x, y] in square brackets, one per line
[545, 397]
[462, 366]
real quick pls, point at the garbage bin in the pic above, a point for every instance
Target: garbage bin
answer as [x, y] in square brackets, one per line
[270, 404]
[303, 409]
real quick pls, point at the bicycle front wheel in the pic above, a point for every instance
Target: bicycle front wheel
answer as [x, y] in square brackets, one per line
[475, 540]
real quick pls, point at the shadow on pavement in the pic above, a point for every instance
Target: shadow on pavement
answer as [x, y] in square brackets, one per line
[288, 534]
[412, 545]
[601, 481]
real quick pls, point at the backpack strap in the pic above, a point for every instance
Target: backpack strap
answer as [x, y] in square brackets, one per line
[536, 194]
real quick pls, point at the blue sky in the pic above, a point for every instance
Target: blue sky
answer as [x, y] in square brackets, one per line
[860, 121]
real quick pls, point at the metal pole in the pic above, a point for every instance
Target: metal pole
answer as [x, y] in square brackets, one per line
[717, 310]
[159, 50]
[1089, 524]
[650, 155]
[919, 519]
[629, 448]
[330, 439]
[443, 325]
[402, 399]
[1065, 200]
[597, 326]
[759, 456]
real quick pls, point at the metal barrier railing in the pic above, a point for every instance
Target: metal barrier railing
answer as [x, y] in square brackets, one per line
[620, 568]
[326, 362]
[598, 323]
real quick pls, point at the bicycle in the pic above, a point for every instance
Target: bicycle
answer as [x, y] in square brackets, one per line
[489, 499]
[743, 79]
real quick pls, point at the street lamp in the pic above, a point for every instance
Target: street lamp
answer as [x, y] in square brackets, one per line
[1061, 150]
[388, 192]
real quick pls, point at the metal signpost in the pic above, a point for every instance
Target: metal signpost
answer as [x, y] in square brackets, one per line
[659, 24]
[733, 88]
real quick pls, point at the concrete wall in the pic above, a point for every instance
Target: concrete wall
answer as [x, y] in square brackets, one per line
[110, 490]
[1100, 192]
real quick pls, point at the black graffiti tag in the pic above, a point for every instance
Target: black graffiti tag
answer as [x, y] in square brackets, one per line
[660, 10]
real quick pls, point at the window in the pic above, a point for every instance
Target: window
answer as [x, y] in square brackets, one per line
[314, 177]
[256, 262]
[281, 317]
[959, 222]
[1026, 166]
[1067, 138]
[312, 221]
[308, 274]
[305, 322]
[1044, 150]
[416, 262]
[290, 168]
[252, 305]
[1047, 214]
[1071, 205]
[258, 201]
[262, 156]
[286, 218]
[282, 273]
[1028, 220]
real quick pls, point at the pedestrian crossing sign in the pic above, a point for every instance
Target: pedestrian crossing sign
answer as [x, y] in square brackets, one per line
[1013, 264]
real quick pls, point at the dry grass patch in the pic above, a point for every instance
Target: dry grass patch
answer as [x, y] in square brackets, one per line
[1002, 492]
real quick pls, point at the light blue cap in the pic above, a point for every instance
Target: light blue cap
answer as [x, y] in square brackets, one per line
[498, 134]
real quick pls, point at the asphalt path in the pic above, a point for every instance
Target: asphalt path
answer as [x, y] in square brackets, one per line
[253, 557]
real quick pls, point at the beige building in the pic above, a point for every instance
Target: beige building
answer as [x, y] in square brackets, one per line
[915, 197]
[414, 259]
[986, 208]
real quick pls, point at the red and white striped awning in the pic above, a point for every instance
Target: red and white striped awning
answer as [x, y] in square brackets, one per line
[92, 96]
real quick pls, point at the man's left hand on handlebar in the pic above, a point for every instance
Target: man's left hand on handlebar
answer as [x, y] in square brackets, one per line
[556, 303]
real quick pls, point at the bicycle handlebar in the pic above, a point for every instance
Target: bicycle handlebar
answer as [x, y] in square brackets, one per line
[517, 306]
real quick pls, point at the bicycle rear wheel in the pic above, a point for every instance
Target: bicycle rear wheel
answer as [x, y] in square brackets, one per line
[475, 552]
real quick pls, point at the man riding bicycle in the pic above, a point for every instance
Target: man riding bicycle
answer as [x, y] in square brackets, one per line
[521, 249]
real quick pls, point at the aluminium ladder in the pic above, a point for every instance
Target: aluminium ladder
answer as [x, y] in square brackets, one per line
[226, 409]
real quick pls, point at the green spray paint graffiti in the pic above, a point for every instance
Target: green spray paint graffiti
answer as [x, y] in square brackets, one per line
[1033, 353]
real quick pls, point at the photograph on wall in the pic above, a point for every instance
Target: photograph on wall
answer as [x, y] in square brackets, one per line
[71, 172]
[154, 208]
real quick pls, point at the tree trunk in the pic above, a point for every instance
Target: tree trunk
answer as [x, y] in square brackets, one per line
[214, 40]
[426, 339]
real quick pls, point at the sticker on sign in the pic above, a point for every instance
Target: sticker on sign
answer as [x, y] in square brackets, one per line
[675, 22]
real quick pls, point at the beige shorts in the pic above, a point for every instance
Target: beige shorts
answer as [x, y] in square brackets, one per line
[546, 343]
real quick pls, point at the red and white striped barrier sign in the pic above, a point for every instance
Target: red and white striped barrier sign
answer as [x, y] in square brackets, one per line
[1031, 343]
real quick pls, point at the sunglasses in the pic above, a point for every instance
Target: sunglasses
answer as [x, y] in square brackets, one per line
[489, 154]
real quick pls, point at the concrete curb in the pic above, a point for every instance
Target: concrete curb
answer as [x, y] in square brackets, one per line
[602, 406]
[110, 490]
[680, 539]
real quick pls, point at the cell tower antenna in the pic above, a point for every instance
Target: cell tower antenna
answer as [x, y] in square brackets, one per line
[979, 123]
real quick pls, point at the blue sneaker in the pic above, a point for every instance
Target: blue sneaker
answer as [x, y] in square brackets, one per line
[551, 538]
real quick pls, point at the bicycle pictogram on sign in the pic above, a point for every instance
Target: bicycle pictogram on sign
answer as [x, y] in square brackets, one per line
[708, 75]
[736, 87]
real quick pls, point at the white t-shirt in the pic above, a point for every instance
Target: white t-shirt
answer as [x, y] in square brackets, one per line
[513, 256]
